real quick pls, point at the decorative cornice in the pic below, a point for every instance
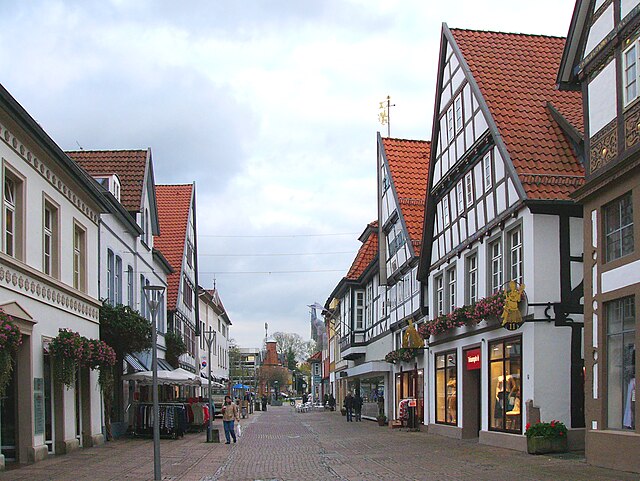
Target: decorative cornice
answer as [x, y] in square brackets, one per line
[30, 158]
[61, 297]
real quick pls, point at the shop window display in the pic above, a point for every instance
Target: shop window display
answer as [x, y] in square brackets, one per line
[505, 370]
[621, 365]
[372, 392]
[446, 388]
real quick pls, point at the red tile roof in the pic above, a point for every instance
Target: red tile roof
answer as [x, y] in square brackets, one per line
[174, 204]
[516, 74]
[129, 165]
[366, 254]
[409, 170]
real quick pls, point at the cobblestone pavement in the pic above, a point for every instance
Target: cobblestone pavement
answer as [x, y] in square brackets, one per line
[283, 445]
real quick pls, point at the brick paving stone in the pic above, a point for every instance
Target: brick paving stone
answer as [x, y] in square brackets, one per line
[282, 445]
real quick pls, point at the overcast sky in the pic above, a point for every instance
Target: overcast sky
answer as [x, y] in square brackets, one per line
[270, 106]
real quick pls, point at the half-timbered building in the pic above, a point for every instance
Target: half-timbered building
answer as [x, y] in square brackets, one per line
[402, 180]
[601, 60]
[505, 157]
[177, 241]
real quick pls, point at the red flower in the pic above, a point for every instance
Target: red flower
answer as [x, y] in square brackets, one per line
[527, 426]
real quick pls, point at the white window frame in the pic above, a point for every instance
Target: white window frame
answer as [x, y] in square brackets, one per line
[111, 279]
[460, 195]
[49, 239]
[359, 310]
[458, 113]
[439, 294]
[130, 286]
[486, 168]
[495, 266]
[626, 67]
[118, 280]
[445, 210]
[472, 278]
[451, 289]
[450, 125]
[79, 257]
[516, 263]
[468, 184]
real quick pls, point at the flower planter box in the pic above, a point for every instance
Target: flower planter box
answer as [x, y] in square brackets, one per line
[541, 445]
[382, 422]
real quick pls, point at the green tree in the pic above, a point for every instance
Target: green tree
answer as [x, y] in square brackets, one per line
[126, 331]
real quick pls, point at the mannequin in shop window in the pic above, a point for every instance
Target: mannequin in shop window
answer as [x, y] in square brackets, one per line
[629, 417]
[451, 401]
[507, 397]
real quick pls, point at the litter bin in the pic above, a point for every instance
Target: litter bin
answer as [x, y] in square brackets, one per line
[256, 406]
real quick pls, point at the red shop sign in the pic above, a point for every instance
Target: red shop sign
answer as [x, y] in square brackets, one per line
[473, 359]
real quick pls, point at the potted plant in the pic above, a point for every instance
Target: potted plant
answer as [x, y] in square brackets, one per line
[343, 411]
[543, 438]
[382, 420]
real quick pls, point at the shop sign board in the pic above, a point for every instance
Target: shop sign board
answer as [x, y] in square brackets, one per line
[38, 405]
[412, 403]
[473, 359]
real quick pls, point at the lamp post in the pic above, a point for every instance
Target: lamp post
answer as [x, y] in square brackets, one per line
[210, 339]
[154, 296]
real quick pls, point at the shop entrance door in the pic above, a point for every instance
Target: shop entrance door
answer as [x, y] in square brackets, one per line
[8, 419]
[471, 394]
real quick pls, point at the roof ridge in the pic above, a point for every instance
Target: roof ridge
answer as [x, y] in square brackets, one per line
[106, 150]
[521, 34]
[407, 140]
[174, 185]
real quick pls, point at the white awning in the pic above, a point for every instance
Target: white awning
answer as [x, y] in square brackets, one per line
[176, 377]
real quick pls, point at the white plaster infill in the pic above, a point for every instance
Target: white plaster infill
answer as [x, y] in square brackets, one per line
[620, 277]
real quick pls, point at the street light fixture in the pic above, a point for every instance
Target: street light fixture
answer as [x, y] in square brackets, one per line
[210, 339]
[154, 296]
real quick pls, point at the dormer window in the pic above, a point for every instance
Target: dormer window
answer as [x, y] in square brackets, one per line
[110, 183]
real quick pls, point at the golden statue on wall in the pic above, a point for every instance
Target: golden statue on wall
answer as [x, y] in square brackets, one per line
[411, 337]
[511, 317]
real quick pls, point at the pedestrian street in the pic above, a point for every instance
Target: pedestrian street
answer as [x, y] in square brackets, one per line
[280, 444]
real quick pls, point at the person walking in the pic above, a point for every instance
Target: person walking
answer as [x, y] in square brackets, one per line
[348, 405]
[229, 416]
[332, 402]
[357, 406]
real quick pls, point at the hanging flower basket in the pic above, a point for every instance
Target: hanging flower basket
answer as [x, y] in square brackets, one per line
[68, 350]
[10, 339]
[404, 354]
[101, 356]
[490, 307]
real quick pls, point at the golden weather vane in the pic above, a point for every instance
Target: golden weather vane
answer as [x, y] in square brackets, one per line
[385, 114]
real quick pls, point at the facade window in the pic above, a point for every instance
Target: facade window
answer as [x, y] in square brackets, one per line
[147, 227]
[111, 277]
[468, 183]
[450, 126]
[446, 388]
[486, 167]
[460, 195]
[189, 254]
[130, 286]
[472, 279]
[359, 310]
[187, 294]
[630, 66]
[505, 394]
[618, 227]
[118, 280]
[515, 256]
[458, 109]
[79, 258]
[621, 351]
[445, 210]
[495, 267]
[143, 299]
[368, 309]
[439, 295]
[451, 286]
[50, 240]
[12, 215]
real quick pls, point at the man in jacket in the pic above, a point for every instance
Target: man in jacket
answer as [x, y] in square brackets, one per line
[357, 406]
[348, 405]
[229, 416]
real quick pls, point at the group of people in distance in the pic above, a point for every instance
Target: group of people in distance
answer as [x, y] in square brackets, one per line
[353, 404]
